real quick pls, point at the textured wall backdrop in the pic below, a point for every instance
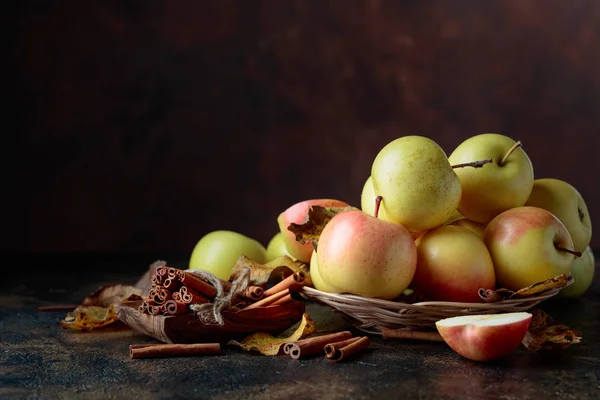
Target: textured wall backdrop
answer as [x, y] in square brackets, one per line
[150, 123]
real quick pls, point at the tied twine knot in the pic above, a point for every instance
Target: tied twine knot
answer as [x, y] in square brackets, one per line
[210, 313]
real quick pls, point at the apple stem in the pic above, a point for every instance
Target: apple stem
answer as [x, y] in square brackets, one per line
[474, 164]
[575, 253]
[377, 205]
[509, 152]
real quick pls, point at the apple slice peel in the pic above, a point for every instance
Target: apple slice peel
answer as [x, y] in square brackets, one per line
[485, 337]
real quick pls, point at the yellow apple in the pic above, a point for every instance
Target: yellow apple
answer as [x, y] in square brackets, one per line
[485, 337]
[453, 263]
[367, 256]
[475, 227]
[420, 189]
[297, 214]
[528, 245]
[582, 270]
[276, 247]
[564, 201]
[503, 184]
[315, 275]
[217, 252]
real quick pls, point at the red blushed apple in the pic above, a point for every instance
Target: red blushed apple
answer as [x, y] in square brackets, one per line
[297, 214]
[485, 337]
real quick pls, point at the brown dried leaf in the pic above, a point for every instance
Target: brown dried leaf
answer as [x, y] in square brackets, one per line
[317, 217]
[269, 273]
[536, 288]
[86, 318]
[268, 345]
[545, 334]
[111, 294]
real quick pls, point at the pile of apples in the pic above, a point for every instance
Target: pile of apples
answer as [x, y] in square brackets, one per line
[442, 226]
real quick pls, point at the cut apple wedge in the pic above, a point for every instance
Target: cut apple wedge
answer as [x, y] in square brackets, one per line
[485, 337]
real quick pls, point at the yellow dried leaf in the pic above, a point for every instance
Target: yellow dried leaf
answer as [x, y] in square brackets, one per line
[270, 345]
[536, 288]
[269, 273]
[317, 217]
[86, 318]
[545, 334]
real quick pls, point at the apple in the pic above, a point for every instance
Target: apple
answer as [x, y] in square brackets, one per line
[503, 184]
[297, 214]
[276, 247]
[528, 245]
[485, 337]
[473, 226]
[217, 252]
[420, 190]
[453, 263]
[365, 255]
[315, 275]
[564, 201]
[582, 270]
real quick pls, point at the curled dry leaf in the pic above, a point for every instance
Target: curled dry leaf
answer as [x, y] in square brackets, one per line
[317, 217]
[270, 345]
[491, 296]
[87, 318]
[545, 334]
[270, 273]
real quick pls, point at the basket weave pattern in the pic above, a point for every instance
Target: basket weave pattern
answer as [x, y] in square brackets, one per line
[371, 315]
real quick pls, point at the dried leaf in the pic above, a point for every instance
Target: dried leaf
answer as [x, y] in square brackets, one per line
[536, 288]
[317, 217]
[268, 345]
[111, 294]
[545, 334]
[269, 273]
[86, 318]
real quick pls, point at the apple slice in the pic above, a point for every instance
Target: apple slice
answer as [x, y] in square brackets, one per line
[485, 337]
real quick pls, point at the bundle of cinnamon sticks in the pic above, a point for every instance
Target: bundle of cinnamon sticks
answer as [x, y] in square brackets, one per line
[174, 290]
[337, 346]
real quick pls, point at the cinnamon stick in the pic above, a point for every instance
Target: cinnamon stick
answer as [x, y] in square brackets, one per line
[315, 345]
[292, 282]
[173, 350]
[58, 307]
[163, 271]
[159, 294]
[389, 333]
[198, 284]
[254, 293]
[189, 296]
[489, 295]
[268, 301]
[172, 284]
[172, 307]
[340, 351]
[157, 279]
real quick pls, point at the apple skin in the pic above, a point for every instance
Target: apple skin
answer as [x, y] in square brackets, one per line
[475, 227]
[453, 263]
[315, 275]
[276, 247]
[217, 252]
[479, 342]
[297, 214]
[493, 188]
[564, 201]
[420, 190]
[367, 256]
[523, 244]
[582, 269]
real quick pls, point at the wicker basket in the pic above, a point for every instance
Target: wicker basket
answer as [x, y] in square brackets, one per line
[371, 315]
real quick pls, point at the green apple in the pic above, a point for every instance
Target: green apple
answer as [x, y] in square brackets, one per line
[367, 256]
[582, 270]
[528, 245]
[368, 200]
[315, 275]
[473, 226]
[217, 252]
[276, 247]
[297, 214]
[564, 201]
[453, 263]
[420, 189]
[504, 183]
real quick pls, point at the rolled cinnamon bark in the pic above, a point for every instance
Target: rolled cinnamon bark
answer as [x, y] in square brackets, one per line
[489, 295]
[196, 283]
[254, 293]
[335, 352]
[268, 301]
[173, 350]
[162, 271]
[292, 282]
[189, 296]
[160, 295]
[315, 345]
[389, 333]
[154, 309]
[172, 284]
[172, 272]
[172, 307]
[157, 279]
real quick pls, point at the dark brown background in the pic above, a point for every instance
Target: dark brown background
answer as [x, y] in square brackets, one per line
[147, 124]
